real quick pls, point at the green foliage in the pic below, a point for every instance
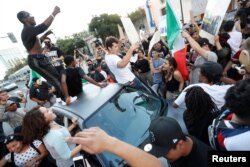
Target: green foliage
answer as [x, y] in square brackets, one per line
[69, 43]
[66, 45]
[137, 15]
[105, 25]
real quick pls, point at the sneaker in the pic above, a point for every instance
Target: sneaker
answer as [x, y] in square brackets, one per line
[73, 99]
[58, 100]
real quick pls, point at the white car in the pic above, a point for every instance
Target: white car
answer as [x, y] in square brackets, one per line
[8, 86]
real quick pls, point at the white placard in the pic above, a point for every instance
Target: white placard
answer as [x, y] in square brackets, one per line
[163, 26]
[156, 38]
[130, 30]
[214, 14]
[198, 7]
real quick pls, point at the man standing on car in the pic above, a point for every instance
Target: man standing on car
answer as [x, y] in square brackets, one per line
[120, 67]
[36, 60]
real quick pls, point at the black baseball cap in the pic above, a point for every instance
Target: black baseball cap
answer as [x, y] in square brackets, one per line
[164, 134]
[203, 41]
[12, 137]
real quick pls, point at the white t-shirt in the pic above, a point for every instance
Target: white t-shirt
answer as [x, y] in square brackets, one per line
[234, 41]
[216, 92]
[122, 75]
[22, 158]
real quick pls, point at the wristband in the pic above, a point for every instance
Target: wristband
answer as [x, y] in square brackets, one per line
[52, 16]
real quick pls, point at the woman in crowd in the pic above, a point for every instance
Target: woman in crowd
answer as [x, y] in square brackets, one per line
[200, 112]
[21, 154]
[173, 79]
[39, 124]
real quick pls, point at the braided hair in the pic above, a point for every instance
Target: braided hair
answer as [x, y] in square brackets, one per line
[199, 104]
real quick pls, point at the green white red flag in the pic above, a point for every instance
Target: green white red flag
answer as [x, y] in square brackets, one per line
[175, 40]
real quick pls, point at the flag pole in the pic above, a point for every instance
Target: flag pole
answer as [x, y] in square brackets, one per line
[182, 17]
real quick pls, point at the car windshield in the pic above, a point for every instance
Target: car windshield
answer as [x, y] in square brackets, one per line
[126, 116]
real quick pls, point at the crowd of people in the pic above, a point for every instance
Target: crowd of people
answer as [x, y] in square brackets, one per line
[215, 97]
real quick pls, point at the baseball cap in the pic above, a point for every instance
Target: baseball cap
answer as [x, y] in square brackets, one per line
[12, 137]
[9, 103]
[164, 134]
[203, 41]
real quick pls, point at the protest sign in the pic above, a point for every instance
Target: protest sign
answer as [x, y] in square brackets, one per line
[214, 14]
[130, 30]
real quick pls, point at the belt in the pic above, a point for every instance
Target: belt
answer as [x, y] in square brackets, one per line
[38, 56]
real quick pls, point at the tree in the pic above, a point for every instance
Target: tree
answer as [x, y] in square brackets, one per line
[137, 15]
[105, 25]
[69, 43]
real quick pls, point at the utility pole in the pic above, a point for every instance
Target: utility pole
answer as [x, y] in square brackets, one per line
[11, 36]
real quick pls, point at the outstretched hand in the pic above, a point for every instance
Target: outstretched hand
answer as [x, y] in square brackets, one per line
[103, 84]
[93, 140]
[135, 46]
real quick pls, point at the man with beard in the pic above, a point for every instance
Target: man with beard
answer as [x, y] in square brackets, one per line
[37, 61]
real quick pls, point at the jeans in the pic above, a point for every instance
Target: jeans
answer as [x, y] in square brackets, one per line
[40, 63]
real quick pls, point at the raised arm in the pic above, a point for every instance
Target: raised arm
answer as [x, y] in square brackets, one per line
[202, 52]
[51, 17]
[126, 59]
[95, 140]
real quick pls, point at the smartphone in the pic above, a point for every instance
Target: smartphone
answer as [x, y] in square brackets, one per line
[79, 161]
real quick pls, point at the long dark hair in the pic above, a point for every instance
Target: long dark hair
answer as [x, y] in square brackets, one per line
[34, 126]
[172, 62]
[199, 104]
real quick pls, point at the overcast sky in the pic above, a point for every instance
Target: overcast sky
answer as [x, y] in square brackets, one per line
[74, 17]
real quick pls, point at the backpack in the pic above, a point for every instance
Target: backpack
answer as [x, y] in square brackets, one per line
[218, 124]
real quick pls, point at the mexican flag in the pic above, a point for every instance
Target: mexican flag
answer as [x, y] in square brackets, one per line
[33, 74]
[175, 41]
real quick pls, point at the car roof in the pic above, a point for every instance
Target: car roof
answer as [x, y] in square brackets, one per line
[90, 100]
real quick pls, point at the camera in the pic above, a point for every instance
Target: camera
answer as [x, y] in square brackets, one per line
[79, 161]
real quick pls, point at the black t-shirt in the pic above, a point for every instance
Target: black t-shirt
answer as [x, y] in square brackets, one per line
[199, 127]
[54, 52]
[98, 77]
[143, 65]
[29, 34]
[41, 92]
[196, 158]
[74, 80]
